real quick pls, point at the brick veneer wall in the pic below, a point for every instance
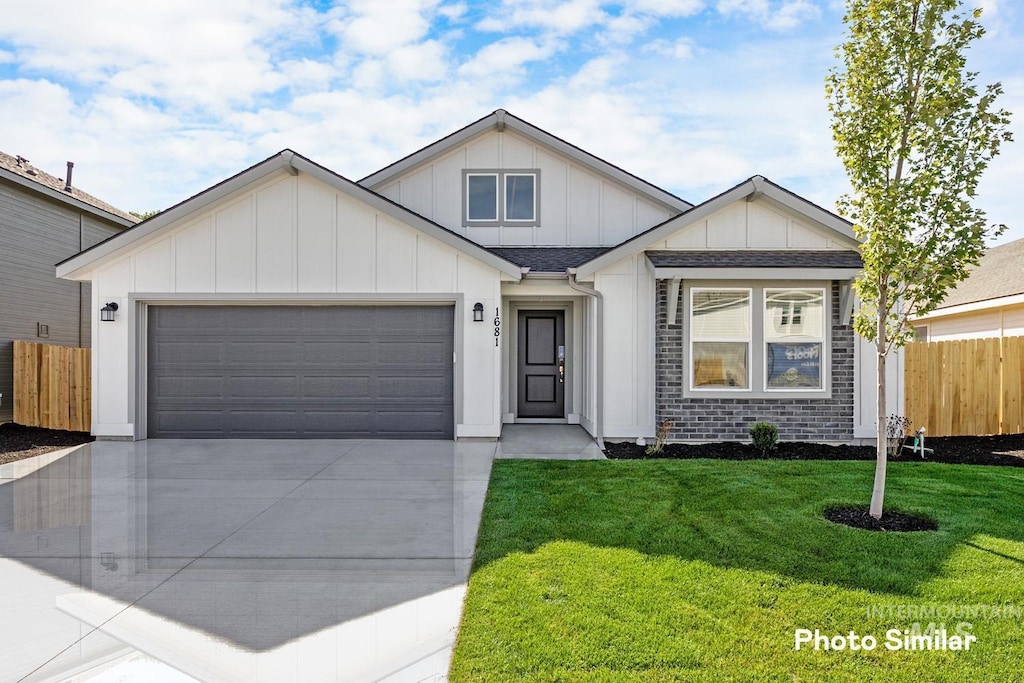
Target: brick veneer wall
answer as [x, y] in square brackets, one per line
[729, 419]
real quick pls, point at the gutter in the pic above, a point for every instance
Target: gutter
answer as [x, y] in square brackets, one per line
[570, 274]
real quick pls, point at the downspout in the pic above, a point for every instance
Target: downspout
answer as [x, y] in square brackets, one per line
[598, 352]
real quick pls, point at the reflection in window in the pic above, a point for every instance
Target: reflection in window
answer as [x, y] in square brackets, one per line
[482, 197]
[720, 338]
[519, 197]
[794, 331]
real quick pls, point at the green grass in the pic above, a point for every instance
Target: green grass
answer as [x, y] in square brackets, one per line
[703, 570]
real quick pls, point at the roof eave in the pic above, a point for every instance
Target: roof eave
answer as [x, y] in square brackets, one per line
[64, 198]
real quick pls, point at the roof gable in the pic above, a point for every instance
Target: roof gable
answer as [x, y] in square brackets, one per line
[501, 120]
[285, 161]
[746, 199]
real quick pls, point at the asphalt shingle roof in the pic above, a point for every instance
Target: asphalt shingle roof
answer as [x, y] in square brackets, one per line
[548, 259]
[999, 273]
[755, 259]
[30, 172]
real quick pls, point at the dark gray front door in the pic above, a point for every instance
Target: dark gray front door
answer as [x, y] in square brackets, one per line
[541, 364]
[300, 372]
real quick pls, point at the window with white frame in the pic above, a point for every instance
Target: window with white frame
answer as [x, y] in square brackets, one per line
[497, 197]
[482, 197]
[720, 338]
[794, 339]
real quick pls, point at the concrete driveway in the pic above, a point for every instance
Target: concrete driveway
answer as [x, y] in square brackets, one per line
[242, 560]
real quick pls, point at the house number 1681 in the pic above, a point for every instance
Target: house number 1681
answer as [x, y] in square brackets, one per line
[497, 325]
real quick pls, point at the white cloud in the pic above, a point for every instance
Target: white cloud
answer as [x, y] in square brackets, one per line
[561, 18]
[505, 56]
[376, 28]
[681, 48]
[665, 8]
[783, 16]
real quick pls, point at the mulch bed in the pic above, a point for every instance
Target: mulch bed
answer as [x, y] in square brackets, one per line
[1006, 450]
[18, 442]
[858, 517]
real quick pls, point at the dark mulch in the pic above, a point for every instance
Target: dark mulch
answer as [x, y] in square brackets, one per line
[18, 441]
[1006, 450]
[857, 516]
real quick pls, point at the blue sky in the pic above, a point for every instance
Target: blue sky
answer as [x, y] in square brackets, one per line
[157, 101]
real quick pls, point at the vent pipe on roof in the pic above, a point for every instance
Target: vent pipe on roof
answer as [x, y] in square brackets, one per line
[67, 183]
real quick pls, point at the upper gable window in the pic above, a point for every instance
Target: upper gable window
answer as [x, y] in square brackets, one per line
[501, 197]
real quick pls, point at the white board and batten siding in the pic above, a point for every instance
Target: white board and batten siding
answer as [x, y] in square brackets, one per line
[294, 235]
[752, 225]
[577, 206]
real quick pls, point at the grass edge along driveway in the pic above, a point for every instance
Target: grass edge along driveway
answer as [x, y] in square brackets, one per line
[704, 569]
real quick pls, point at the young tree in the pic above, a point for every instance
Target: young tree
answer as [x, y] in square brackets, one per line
[915, 134]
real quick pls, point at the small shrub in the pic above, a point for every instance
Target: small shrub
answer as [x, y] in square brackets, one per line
[765, 436]
[664, 429]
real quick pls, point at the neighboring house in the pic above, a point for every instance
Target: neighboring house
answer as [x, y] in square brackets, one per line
[989, 303]
[498, 275]
[43, 220]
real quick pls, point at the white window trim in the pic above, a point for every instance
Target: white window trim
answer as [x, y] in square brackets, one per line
[757, 310]
[501, 209]
[748, 341]
[522, 221]
[497, 196]
[797, 339]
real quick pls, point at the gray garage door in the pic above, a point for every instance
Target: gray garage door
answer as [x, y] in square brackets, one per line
[300, 372]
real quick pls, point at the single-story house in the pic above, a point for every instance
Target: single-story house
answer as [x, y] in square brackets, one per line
[497, 275]
[44, 219]
[989, 303]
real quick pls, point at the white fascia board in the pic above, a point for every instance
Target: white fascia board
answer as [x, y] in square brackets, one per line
[666, 229]
[501, 120]
[79, 265]
[756, 273]
[410, 218]
[64, 198]
[972, 307]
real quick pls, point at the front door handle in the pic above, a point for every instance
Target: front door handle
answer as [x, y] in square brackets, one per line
[561, 364]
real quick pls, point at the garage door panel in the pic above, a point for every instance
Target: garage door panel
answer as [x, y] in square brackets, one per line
[284, 388]
[331, 352]
[341, 387]
[301, 371]
[188, 387]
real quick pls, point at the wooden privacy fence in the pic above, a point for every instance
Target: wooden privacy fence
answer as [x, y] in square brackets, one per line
[51, 386]
[965, 387]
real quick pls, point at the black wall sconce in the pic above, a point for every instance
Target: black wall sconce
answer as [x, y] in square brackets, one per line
[107, 312]
[478, 312]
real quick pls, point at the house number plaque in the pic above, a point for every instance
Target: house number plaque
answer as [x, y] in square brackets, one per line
[497, 325]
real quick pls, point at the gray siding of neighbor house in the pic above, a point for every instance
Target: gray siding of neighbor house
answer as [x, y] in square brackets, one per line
[36, 233]
[729, 419]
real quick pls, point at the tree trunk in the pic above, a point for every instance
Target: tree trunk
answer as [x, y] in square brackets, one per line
[881, 454]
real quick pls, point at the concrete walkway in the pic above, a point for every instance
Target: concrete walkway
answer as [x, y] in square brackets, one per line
[547, 442]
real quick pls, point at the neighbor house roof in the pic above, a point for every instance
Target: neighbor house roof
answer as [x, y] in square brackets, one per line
[757, 187]
[285, 160]
[755, 259]
[999, 273]
[548, 259]
[501, 120]
[18, 170]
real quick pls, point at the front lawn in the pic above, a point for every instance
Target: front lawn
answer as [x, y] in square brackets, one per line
[704, 570]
